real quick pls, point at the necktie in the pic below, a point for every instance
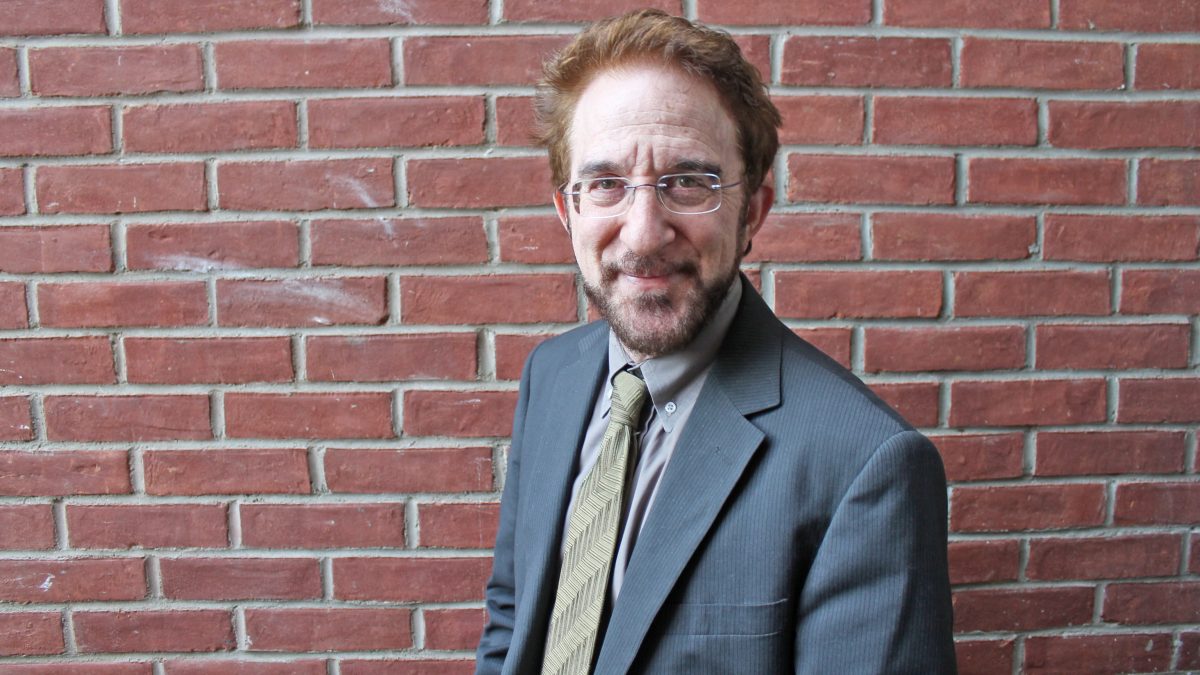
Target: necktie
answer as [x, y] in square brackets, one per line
[591, 538]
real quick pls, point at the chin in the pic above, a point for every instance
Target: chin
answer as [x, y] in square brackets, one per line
[658, 323]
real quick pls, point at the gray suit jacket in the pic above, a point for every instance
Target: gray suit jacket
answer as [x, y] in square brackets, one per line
[800, 525]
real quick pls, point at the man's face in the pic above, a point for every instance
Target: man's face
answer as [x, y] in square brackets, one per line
[658, 276]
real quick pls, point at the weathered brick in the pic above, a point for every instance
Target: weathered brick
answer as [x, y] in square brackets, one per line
[12, 192]
[834, 342]
[1168, 182]
[534, 239]
[408, 667]
[459, 413]
[974, 562]
[1016, 508]
[63, 473]
[121, 188]
[1121, 238]
[1114, 346]
[16, 421]
[210, 127]
[453, 628]
[458, 525]
[984, 657]
[951, 236]
[1157, 503]
[514, 120]
[1153, 603]
[78, 360]
[1012, 180]
[479, 183]
[31, 634]
[306, 185]
[206, 630]
[108, 71]
[323, 525]
[821, 120]
[411, 12]
[864, 294]
[386, 358]
[144, 417]
[40, 132]
[916, 402]
[26, 527]
[150, 526]
[234, 471]
[950, 348]
[395, 122]
[1041, 64]
[47, 249]
[274, 64]
[981, 456]
[1027, 402]
[870, 179]
[1103, 557]
[399, 242]
[967, 14]
[1098, 654]
[81, 668]
[230, 360]
[807, 237]
[72, 580]
[51, 17]
[328, 630]
[476, 59]
[929, 120]
[123, 303]
[854, 12]
[1074, 453]
[411, 579]
[409, 470]
[309, 415]
[228, 667]
[1109, 125]
[321, 301]
[1162, 291]
[241, 578]
[1021, 609]
[201, 247]
[511, 352]
[1146, 15]
[866, 61]
[501, 298]
[1168, 66]
[206, 16]
[1037, 293]
[1165, 400]
[9, 84]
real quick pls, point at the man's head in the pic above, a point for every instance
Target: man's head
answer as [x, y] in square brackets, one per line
[634, 99]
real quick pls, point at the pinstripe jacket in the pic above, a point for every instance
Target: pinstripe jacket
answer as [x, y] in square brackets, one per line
[800, 525]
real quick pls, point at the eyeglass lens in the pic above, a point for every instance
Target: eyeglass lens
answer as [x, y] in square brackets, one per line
[685, 193]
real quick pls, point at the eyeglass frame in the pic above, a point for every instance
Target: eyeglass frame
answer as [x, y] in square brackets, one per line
[631, 193]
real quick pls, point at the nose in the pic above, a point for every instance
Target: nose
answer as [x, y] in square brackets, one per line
[645, 228]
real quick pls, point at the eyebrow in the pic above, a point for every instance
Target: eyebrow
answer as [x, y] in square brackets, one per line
[592, 169]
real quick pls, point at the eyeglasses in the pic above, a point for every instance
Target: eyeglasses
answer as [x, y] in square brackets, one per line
[688, 194]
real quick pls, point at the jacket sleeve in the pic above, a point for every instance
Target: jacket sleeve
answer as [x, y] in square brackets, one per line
[500, 597]
[877, 598]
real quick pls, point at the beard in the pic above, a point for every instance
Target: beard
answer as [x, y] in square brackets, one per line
[653, 323]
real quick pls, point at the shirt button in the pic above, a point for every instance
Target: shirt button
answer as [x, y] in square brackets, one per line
[670, 407]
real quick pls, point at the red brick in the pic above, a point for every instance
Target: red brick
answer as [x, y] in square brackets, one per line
[33, 361]
[26, 527]
[807, 237]
[12, 192]
[1115, 347]
[514, 120]
[156, 526]
[302, 301]
[241, 578]
[951, 236]
[865, 294]
[459, 525]
[1021, 609]
[309, 415]
[580, 10]
[328, 630]
[770, 12]
[275, 64]
[411, 579]
[967, 14]
[16, 424]
[409, 470]
[1189, 650]
[1038, 293]
[229, 360]
[387, 358]
[1168, 66]
[1027, 402]
[930, 120]
[108, 71]
[511, 352]
[453, 628]
[475, 59]
[13, 311]
[202, 247]
[55, 131]
[63, 473]
[839, 61]
[1146, 15]
[1165, 291]
[408, 667]
[356, 12]
[48, 249]
[1167, 400]
[235, 471]
[80, 668]
[1174, 602]
[502, 298]
[1040, 64]
[870, 179]
[1099, 654]
[1012, 180]
[9, 85]
[210, 127]
[395, 122]
[973, 562]
[1157, 503]
[227, 667]
[982, 657]
[121, 188]
[1109, 452]
[981, 456]
[208, 630]
[917, 402]
[1109, 125]
[307, 185]
[70, 581]
[31, 633]
[1166, 182]
[961, 348]
[1103, 558]
[756, 49]
[206, 16]
[323, 525]
[461, 414]
[1014, 508]
[127, 418]
[399, 241]
[107, 303]
[479, 183]
[834, 342]
[1121, 238]
[821, 120]
[51, 17]
[534, 239]
[1194, 555]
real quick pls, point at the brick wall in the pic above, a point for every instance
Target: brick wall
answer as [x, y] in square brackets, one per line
[269, 269]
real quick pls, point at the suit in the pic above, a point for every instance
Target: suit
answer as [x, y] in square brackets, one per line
[800, 525]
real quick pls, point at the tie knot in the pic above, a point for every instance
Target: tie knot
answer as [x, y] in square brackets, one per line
[629, 392]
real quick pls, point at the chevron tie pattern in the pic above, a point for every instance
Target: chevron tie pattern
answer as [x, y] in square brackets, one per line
[591, 538]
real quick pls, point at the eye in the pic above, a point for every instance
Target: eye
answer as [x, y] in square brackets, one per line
[686, 181]
[605, 184]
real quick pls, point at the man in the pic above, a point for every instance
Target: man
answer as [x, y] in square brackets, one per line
[692, 488]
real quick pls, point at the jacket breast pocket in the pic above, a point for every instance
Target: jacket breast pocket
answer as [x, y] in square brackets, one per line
[729, 619]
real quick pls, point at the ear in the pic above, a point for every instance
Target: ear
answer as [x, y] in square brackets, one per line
[560, 206]
[757, 209]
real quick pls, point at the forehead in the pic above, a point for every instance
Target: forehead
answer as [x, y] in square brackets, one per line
[643, 118]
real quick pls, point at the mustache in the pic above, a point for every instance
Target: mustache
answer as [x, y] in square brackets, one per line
[646, 266]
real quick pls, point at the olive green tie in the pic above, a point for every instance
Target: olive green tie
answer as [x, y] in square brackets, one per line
[591, 538]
